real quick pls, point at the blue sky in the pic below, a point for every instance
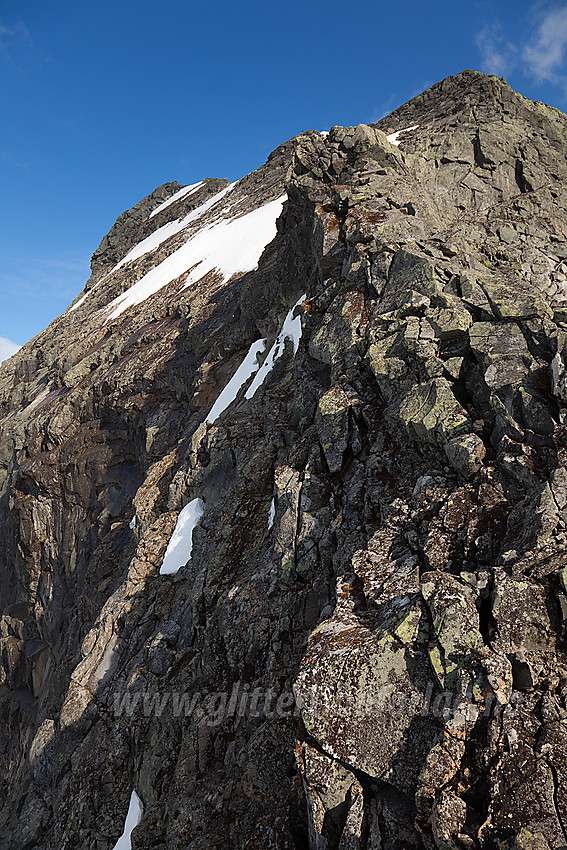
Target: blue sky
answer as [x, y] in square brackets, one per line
[102, 102]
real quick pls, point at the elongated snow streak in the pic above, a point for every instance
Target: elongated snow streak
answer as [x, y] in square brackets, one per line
[272, 514]
[227, 246]
[133, 818]
[394, 137]
[291, 329]
[155, 239]
[79, 302]
[246, 369]
[187, 190]
[180, 546]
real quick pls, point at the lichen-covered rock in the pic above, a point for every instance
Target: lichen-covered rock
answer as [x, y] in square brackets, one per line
[465, 454]
[451, 321]
[332, 420]
[431, 413]
[356, 676]
[456, 646]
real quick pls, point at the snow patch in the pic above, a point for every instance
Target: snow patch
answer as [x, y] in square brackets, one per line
[246, 369]
[291, 329]
[78, 304]
[155, 239]
[272, 514]
[187, 190]
[393, 138]
[132, 523]
[133, 818]
[228, 246]
[180, 546]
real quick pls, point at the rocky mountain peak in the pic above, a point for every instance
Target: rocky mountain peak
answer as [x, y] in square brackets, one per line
[283, 504]
[456, 96]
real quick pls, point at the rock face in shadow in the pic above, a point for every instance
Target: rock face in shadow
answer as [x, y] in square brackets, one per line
[366, 650]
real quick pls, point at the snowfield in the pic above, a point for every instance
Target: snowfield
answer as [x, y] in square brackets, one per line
[81, 300]
[229, 246]
[291, 329]
[272, 514]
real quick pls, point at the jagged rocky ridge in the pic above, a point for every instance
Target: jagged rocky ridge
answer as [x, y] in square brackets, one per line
[384, 534]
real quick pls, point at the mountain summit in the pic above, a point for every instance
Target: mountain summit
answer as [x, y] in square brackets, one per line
[283, 501]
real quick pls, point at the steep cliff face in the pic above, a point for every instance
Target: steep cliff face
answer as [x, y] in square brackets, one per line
[353, 362]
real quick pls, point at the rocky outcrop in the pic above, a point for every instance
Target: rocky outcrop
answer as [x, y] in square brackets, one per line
[366, 648]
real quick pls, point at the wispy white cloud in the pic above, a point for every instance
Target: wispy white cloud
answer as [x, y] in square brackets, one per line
[541, 55]
[10, 35]
[544, 54]
[498, 55]
[7, 348]
[19, 30]
[16, 161]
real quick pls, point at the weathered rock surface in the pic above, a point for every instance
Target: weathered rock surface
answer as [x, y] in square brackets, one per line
[366, 649]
